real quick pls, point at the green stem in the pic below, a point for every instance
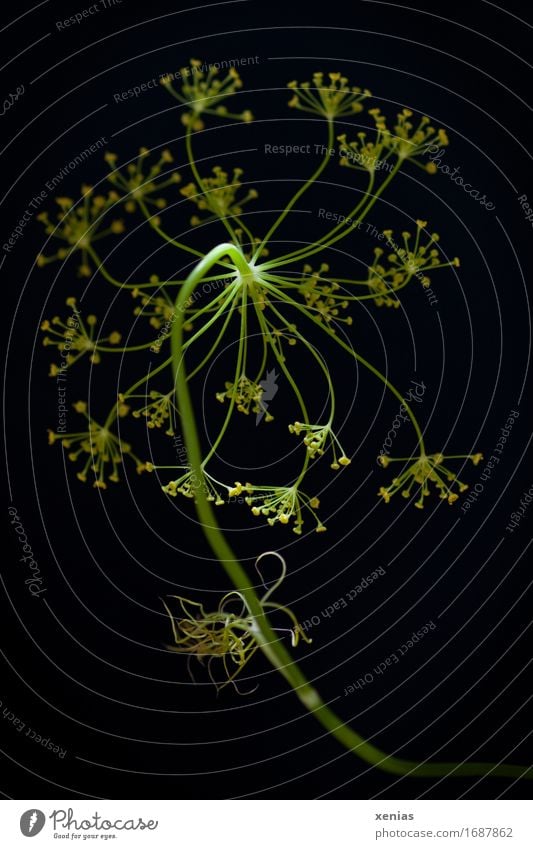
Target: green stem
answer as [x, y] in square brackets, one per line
[278, 261]
[334, 236]
[225, 296]
[155, 226]
[110, 279]
[267, 640]
[114, 409]
[317, 357]
[196, 173]
[217, 341]
[264, 634]
[113, 349]
[282, 364]
[279, 220]
[240, 368]
[240, 223]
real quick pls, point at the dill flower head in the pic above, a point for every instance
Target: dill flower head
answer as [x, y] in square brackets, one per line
[159, 309]
[283, 504]
[382, 282]
[75, 338]
[410, 257]
[101, 451]
[218, 195]
[328, 95]
[246, 395]
[417, 476]
[322, 297]
[189, 483]
[203, 91]
[135, 185]
[364, 154]
[160, 411]
[79, 226]
[318, 439]
[410, 139]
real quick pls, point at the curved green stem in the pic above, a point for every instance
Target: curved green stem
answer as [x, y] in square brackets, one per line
[265, 637]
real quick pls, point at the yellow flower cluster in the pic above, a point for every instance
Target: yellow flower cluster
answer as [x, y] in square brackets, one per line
[75, 338]
[79, 226]
[407, 141]
[281, 504]
[203, 92]
[101, 450]
[428, 468]
[321, 296]
[329, 96]
[135, 186]
[362, 154]
[407, 260]
[189, 483]
[160, 411]
[159, 309]
[218, 195]
[246, 394]
[318, 439]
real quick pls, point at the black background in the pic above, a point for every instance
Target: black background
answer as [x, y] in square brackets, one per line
[86, 664]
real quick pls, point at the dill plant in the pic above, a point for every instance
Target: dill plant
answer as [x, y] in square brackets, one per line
[252, 283]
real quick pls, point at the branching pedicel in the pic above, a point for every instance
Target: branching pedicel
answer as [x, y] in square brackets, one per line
[251, 284]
